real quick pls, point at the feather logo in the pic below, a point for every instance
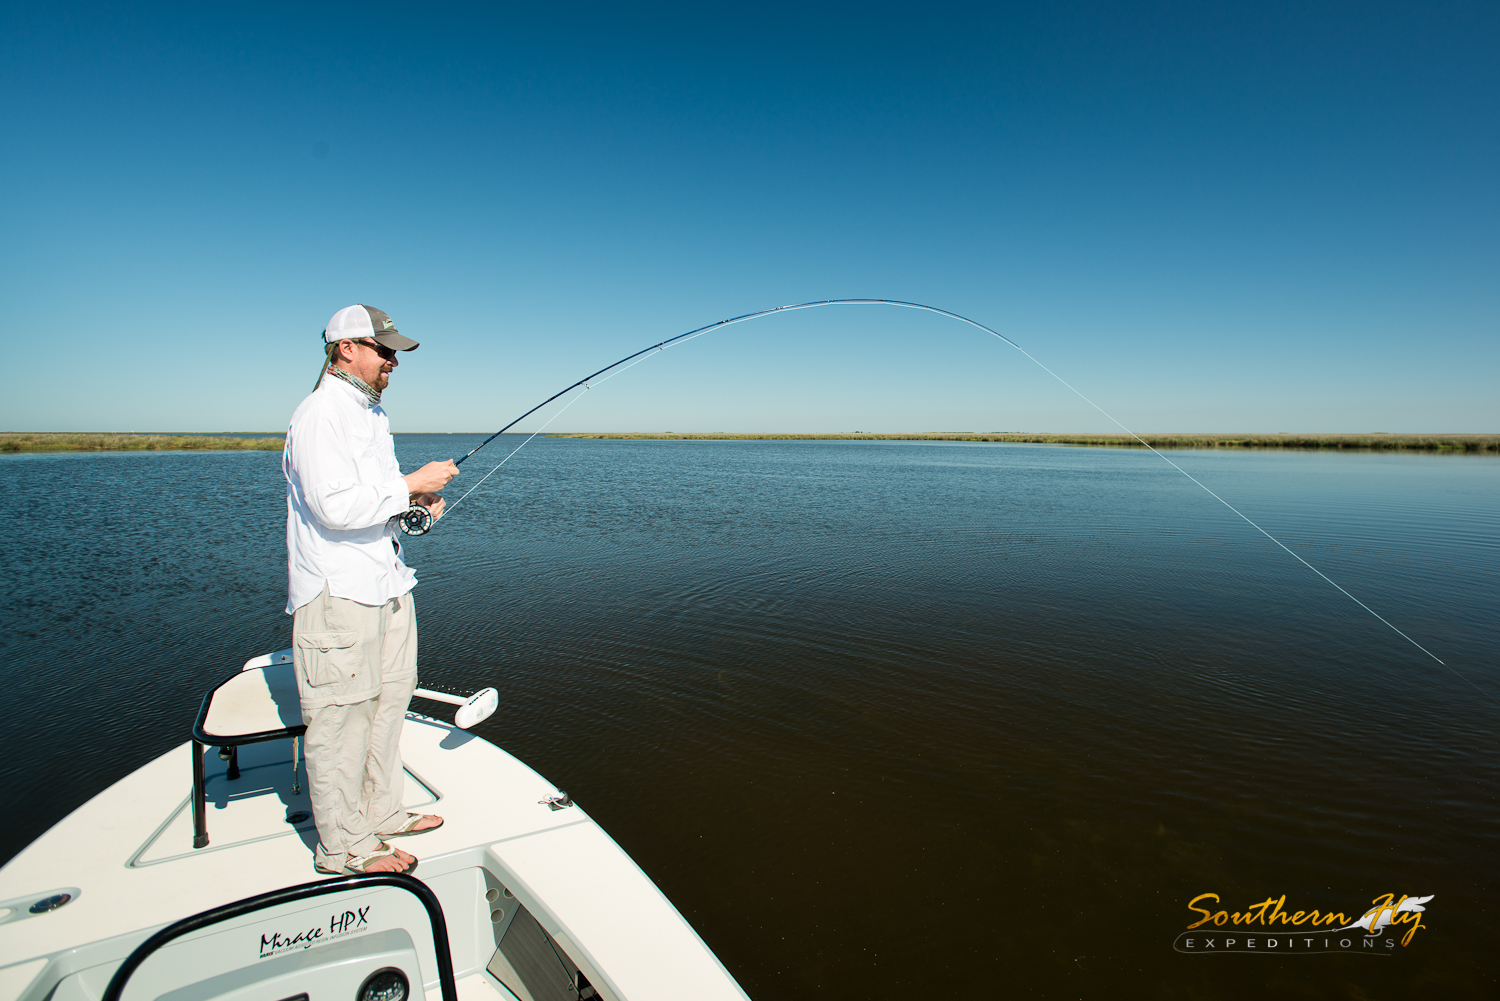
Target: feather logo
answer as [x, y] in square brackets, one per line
[1384, 914]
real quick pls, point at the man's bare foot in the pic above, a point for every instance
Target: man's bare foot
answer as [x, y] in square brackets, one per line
[415, 823]
[390, 863]
[382, 859]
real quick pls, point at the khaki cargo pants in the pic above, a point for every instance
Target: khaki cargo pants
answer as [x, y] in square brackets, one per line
[356, 667]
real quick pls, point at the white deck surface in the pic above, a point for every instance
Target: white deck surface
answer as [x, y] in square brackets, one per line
[129, 851]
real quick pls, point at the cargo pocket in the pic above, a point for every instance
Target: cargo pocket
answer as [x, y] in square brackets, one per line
[328, 659]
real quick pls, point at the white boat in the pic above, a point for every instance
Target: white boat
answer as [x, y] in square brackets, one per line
[537, 903]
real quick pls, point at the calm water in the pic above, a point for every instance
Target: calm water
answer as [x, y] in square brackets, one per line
[884, 720]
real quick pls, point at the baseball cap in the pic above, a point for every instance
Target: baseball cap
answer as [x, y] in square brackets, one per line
[359, 320]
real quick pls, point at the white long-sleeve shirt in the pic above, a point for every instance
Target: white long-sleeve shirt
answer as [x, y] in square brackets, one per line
[343, 485]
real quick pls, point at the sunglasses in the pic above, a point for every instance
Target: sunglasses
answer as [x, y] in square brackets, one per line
[385, 353]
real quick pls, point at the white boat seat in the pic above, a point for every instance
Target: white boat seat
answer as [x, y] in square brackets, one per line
[260, 700]
[255, 704]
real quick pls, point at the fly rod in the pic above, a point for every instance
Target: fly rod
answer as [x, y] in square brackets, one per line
[418, 520]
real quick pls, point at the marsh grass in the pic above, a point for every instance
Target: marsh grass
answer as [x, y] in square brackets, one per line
[85, 442]
[1473, 444]
[1467, 443]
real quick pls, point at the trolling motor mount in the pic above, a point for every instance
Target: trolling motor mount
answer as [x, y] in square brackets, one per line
[416, 521]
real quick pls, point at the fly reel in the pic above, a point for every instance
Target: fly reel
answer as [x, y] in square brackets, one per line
[416, 521]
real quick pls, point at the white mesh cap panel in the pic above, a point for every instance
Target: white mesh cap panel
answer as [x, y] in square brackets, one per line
[351, 321]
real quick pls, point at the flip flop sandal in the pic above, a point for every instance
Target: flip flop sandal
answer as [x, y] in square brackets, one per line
[406, 830]
[356, 865]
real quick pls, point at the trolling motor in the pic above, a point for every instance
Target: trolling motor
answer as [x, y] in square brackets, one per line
[472, 709]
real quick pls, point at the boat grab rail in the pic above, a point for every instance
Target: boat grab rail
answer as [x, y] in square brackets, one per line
[289, 894]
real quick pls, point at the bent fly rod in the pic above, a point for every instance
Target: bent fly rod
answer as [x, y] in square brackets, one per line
[418, 520]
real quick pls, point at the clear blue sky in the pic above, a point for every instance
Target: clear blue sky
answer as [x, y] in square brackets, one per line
[1216, 217]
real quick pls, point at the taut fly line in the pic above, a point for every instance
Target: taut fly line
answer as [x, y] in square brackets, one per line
[417, 521]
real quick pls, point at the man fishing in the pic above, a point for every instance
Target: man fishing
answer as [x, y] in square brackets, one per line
[354, 626]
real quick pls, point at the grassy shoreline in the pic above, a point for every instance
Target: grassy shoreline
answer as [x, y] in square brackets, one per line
[86, 442]
[1470, 444]
[1473, 444]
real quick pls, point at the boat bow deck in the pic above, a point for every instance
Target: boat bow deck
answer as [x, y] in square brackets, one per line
[128, 852]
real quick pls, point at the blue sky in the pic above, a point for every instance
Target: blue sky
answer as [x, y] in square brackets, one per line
[1254, 217]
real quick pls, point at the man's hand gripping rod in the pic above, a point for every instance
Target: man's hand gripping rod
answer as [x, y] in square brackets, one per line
[426, 505]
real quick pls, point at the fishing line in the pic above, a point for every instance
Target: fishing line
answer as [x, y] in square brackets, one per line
[586, 388]
[637, 357]
[513, 451]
